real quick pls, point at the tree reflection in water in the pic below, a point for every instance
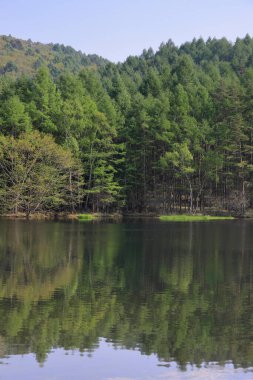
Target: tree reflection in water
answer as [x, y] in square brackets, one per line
[181, 291]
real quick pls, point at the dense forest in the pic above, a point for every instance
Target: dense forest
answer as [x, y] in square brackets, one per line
[166, 131]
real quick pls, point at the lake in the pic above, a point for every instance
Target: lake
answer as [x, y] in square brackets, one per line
[133, 300]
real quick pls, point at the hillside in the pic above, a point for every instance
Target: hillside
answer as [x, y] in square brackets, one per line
[164, 132]
[25, 57]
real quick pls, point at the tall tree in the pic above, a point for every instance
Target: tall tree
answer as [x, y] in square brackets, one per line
[38, 175]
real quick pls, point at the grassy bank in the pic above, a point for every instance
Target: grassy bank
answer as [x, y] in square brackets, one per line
[62, 216]
[192, 218]
[98, 216]
[86, 217]
[114, 216]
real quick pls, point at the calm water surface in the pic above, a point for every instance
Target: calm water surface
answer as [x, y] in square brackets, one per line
[138, 300]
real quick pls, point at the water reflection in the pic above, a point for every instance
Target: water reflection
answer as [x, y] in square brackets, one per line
[181, 291]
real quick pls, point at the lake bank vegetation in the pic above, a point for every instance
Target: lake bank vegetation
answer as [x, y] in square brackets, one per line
[165, 132]
[193, 218]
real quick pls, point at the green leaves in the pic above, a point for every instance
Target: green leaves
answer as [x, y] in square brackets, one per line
[14, 118]
[37, 175]
[180, 158]
[152, 130]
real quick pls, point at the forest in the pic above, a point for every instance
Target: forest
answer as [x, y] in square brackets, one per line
[162, 132]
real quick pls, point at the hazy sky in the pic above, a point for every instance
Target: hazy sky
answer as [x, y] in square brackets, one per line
[115, 29]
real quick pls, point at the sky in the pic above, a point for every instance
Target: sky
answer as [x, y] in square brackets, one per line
[115, 29]
[127, 365]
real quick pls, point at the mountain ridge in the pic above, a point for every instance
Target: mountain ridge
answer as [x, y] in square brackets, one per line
[18, 56]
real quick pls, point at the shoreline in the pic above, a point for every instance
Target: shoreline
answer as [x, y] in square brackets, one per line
[50, 216]
[59, 216]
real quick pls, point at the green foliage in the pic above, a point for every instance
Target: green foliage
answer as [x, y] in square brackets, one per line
[164, 132]
[85, 217]
[192, 218]
[180, 158]
[13, 117]
[26, 57]
[37, 174]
